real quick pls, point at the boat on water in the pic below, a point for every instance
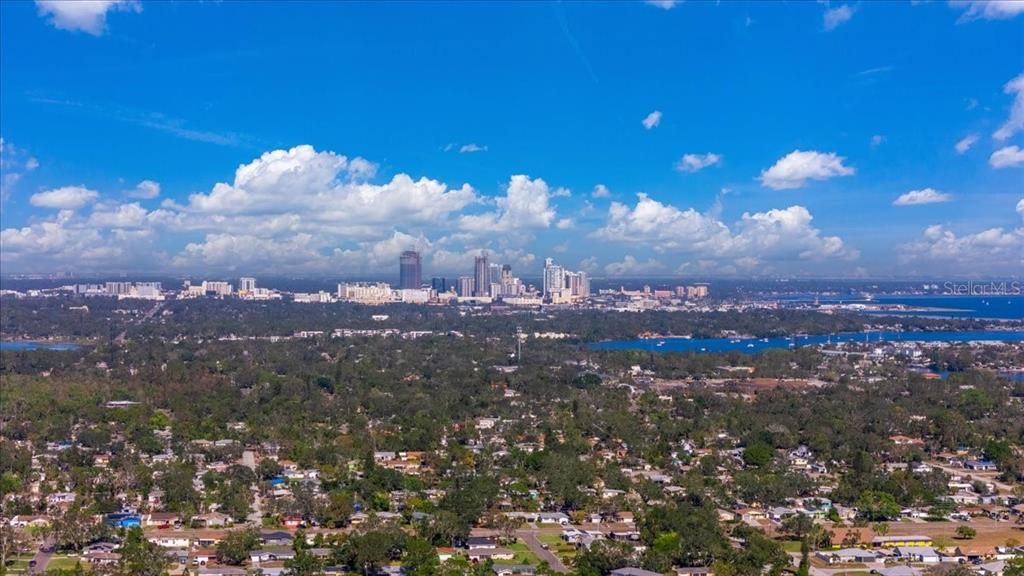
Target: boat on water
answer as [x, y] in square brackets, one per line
[661, 343]
[750, 345]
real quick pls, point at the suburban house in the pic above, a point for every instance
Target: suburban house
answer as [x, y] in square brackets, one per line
[896, 541]
[922, 554]
[847, 556]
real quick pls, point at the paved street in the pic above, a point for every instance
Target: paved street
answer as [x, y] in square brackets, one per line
[41, 558]
[529, 536]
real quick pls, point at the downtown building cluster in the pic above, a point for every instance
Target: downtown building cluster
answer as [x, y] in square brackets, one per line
[490, 282]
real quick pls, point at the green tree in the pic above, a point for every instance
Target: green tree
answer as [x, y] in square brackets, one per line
[420, 558]
[74, 528]
[965, 532]
[758, 454]
[602, 557]
[805, 559]
[878, 506]
[140, 557]
[234, 548]
[1014, 567]
[12, 543]
[338, 509]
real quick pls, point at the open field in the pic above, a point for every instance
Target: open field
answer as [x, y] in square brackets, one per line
[990, 532]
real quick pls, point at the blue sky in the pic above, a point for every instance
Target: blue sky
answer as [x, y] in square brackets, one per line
[805, 139]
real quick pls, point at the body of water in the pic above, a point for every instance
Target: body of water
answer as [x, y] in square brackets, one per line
[27, 346]
[759, 344]
[995, 307]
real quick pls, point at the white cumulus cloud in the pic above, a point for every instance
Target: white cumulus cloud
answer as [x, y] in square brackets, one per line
[991, 251]
[663, 4]
[89, 16]
[146, 189]
[797, 167]
[65, 198]
[652, 120]
[470, 148]
[695, 162]
[601, 191]
[526, 205]
[923, 196]
[630, 266]
[1008, 157]
[965, 143]
[988, 9]
[1015, 123]
[776, 235]
[833, 17]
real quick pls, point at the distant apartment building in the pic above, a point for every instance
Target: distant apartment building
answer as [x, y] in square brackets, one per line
[697, 291]
[313, 297]
[439, 285]
[466, 286]
[217, 288]
[366, 292]
[246, 285]
[118, 288]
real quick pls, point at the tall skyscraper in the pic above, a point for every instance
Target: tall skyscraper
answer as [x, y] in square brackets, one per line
[465, 286]
[409, 270]
[482, 276]
[439, 285]
[554, 277]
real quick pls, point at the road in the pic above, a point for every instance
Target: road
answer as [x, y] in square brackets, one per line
[42, 558]
[255, 517]
[152, 312]
[1004, 488]
[535, 546]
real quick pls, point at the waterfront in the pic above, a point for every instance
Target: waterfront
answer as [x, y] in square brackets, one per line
[26, 346]
[760, 344]
[1003, 307]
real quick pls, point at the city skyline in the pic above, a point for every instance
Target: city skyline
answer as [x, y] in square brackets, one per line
[688, 140]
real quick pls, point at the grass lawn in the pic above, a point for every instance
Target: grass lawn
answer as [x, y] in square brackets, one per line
[523, 554]
[791, 545]
[64, 563]
[550, 538]
[19, 565]
[559, 547]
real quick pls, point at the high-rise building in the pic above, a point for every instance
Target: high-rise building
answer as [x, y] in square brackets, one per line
[118, 288]
[246, 284]
[578, 284]
[697, 291]
[554, 277]
[217, 288]
[494, 274]
[482, 276]
[465, 286]
[409, 270]
[439, 285]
